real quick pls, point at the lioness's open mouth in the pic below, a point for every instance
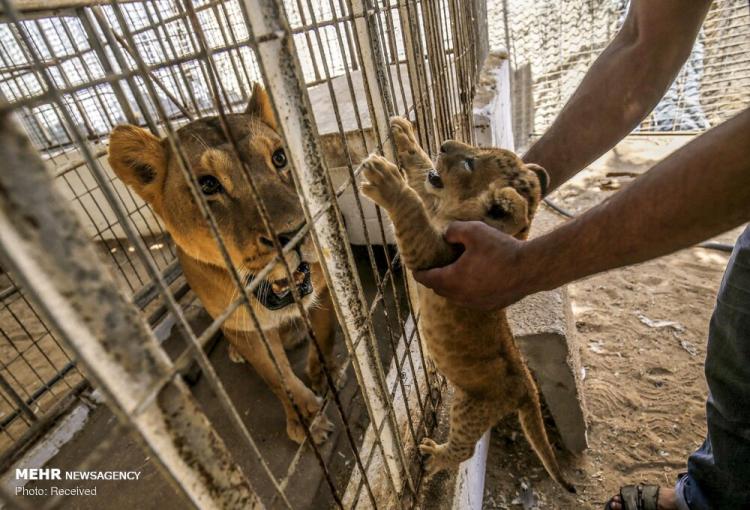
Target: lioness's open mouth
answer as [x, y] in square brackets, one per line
[278, 294]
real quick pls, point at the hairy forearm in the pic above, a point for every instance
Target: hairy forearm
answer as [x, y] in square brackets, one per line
[621, 87]
[701, 190]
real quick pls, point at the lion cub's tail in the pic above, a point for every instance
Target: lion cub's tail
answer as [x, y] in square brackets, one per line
[530, 415]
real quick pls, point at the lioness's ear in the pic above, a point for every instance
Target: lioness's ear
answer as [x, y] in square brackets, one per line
[260, 106]
[541, 174]
[138, 159]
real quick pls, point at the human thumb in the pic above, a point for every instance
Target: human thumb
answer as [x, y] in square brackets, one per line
[464, 232]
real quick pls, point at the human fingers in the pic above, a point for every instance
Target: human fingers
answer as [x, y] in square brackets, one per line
[433, 278]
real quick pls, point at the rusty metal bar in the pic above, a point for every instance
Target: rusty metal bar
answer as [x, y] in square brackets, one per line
[216, 88]
[277, 59]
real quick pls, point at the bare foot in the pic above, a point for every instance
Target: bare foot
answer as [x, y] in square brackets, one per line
[667, 500]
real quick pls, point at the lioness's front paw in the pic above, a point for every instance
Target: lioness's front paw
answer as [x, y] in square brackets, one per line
[320, 428]
[234, 355]
[311, 407]
[384, 182]
[318, 381]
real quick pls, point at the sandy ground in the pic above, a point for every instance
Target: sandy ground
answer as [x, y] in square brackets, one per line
[642, 333]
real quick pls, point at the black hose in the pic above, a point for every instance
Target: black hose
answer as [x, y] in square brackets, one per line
[709, 245]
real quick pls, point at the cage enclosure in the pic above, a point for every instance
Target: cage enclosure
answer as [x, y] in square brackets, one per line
[96, 306]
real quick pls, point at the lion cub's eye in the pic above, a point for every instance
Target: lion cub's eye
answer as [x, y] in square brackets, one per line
[210, 185]
[279, 158]
[469, 164]
[496, 212]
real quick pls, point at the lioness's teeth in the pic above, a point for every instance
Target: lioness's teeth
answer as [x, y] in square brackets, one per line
[299, 277]
[280, 286]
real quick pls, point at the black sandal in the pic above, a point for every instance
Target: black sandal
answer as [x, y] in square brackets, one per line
[637, 497]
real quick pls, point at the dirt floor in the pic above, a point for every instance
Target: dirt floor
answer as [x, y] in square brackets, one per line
[642, 333]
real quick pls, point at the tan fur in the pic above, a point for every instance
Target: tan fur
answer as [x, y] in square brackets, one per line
[474, 349]
[151, 168]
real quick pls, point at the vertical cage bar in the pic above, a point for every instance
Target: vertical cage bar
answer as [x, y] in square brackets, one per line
[414, 67]
[96, 45]
[278, 62]
[373, 70]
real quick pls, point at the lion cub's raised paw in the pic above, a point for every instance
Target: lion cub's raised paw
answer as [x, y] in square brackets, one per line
[384, 183]
[403, 136]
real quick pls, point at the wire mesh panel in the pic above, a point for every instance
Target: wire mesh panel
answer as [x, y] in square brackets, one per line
[182, 74]
[552, 45]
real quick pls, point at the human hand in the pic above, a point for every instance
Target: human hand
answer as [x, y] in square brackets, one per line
[490, 273]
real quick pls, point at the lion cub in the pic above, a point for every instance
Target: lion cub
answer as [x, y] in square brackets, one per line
[474, 349]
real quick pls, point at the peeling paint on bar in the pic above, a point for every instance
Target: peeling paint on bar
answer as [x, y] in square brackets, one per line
[280, 68]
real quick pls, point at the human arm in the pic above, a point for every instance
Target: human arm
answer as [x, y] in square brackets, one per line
[622, 86]
[699, 191]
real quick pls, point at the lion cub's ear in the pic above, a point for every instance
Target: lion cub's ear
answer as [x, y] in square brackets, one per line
[139, 160]
[541, 174]
[260, 106]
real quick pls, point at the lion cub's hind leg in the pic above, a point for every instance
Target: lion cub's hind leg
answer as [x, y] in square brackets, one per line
[470, 417]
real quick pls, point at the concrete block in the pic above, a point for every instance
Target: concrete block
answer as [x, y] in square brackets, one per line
[544, 331]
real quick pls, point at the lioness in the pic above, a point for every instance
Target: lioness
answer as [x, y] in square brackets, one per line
[149, 166]
[474, 349]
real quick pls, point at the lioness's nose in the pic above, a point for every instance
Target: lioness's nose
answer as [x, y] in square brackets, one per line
[283, 237]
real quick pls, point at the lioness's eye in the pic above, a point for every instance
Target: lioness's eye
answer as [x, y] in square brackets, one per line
[496, 212]
[210, 185]
[469, 164]
[279, 158]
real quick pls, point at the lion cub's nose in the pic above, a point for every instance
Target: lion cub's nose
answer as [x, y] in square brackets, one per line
[434, 178]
